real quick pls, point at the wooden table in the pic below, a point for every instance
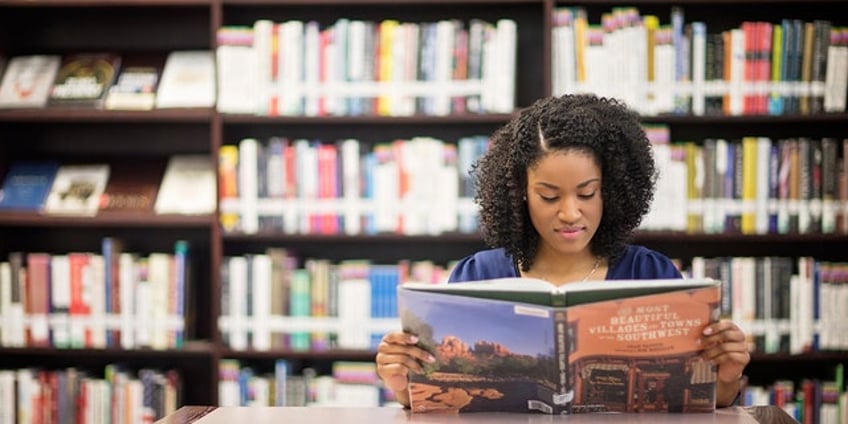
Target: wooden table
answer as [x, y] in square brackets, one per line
[269, 415]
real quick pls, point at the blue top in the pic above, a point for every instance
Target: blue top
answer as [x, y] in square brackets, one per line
[637, 263]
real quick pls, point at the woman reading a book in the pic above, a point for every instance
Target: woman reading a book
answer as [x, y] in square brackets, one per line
[560, 191]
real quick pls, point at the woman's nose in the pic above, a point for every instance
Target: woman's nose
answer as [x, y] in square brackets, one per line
[569, 210]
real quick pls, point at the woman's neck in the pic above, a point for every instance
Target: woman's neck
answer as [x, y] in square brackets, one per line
[561, 269]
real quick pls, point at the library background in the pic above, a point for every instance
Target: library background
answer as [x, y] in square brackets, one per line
[211, 202]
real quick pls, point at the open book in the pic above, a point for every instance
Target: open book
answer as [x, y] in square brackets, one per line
[520, 344]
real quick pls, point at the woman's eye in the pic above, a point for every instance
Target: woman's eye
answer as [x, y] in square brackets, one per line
[549, 199]
[587, 196]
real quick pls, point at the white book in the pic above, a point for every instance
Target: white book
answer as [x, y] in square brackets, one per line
[27, 394]
[445, 32]
[699, 48]
[763, 173]
[248, 181]
[159, 275]
[188, 186]
[97, 285]
[5, 304]
[263, 45]
[354, 303]
[28, 80]
[312, 66]
[188, 80]
[291, 60]
[77, 189]
[351, 186]
[143, 312]
[507, 32]
[7, 397]
[238, 294]
[261, 273]
[60, 299]
[238, 84]
[128, 277]
[836, 79]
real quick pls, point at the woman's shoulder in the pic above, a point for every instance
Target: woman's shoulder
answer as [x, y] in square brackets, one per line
[483, 265]
[639, 262]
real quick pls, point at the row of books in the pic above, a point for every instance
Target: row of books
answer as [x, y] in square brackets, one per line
[109, 80]
[680, 67]
[358, 67]
[752, 185]
[809, 400]
[783, 304]
[351, 384]
[112, 298]
[35, 395]
[416, 186]
[184, 184]
[268, 302]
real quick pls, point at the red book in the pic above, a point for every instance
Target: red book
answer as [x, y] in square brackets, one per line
[37, 295]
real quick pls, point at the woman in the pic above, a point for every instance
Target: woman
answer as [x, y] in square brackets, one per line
[561, 189]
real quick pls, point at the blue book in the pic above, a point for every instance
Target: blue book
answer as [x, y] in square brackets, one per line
[27, 184]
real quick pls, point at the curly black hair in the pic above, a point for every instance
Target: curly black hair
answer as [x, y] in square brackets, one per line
[603, 127]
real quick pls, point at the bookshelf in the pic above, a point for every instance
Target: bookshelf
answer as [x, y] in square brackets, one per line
[142, 26]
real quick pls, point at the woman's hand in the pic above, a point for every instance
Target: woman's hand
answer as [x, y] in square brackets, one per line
[724, 345]
[397, 355]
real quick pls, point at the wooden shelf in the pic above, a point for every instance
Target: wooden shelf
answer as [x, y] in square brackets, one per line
[107, 220]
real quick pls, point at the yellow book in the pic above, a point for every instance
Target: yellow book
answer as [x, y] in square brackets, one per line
[580, 24]
[694, 186]
[749, 185]
[775, 105]
[386, 65]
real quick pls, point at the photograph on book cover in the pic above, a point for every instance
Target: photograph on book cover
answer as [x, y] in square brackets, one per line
[638, 354]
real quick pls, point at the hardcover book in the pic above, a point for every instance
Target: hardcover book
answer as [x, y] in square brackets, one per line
[26, 185]
[27, 81]
[84, 79]
[520, 345]
[132, 186]
[77, 189]
[188, 187]
[188, 80]
[135, 87]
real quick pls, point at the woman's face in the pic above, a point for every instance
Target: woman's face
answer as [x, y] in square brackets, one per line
[564, 200]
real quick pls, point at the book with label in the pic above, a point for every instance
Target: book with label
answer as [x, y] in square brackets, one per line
[135, 87]
[77, 189]
[26, 185]
[28, 80]
[188, 186]
[521, 345]
[84, 79]
[132, 186]
[188, 80]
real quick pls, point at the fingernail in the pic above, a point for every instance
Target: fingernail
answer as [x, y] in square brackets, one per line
[697, 341]
[413, 339]
[431, 358]
[708, 331]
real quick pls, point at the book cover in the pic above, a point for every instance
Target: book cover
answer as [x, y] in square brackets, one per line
[132, 186]
[76, 190]
[188, 186]
[188, 80]
[602, 346]
[136, 84]
[27, 81]
[84, 79]
[26, 185]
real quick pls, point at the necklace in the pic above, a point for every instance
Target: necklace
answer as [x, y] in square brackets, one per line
[594, 268]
